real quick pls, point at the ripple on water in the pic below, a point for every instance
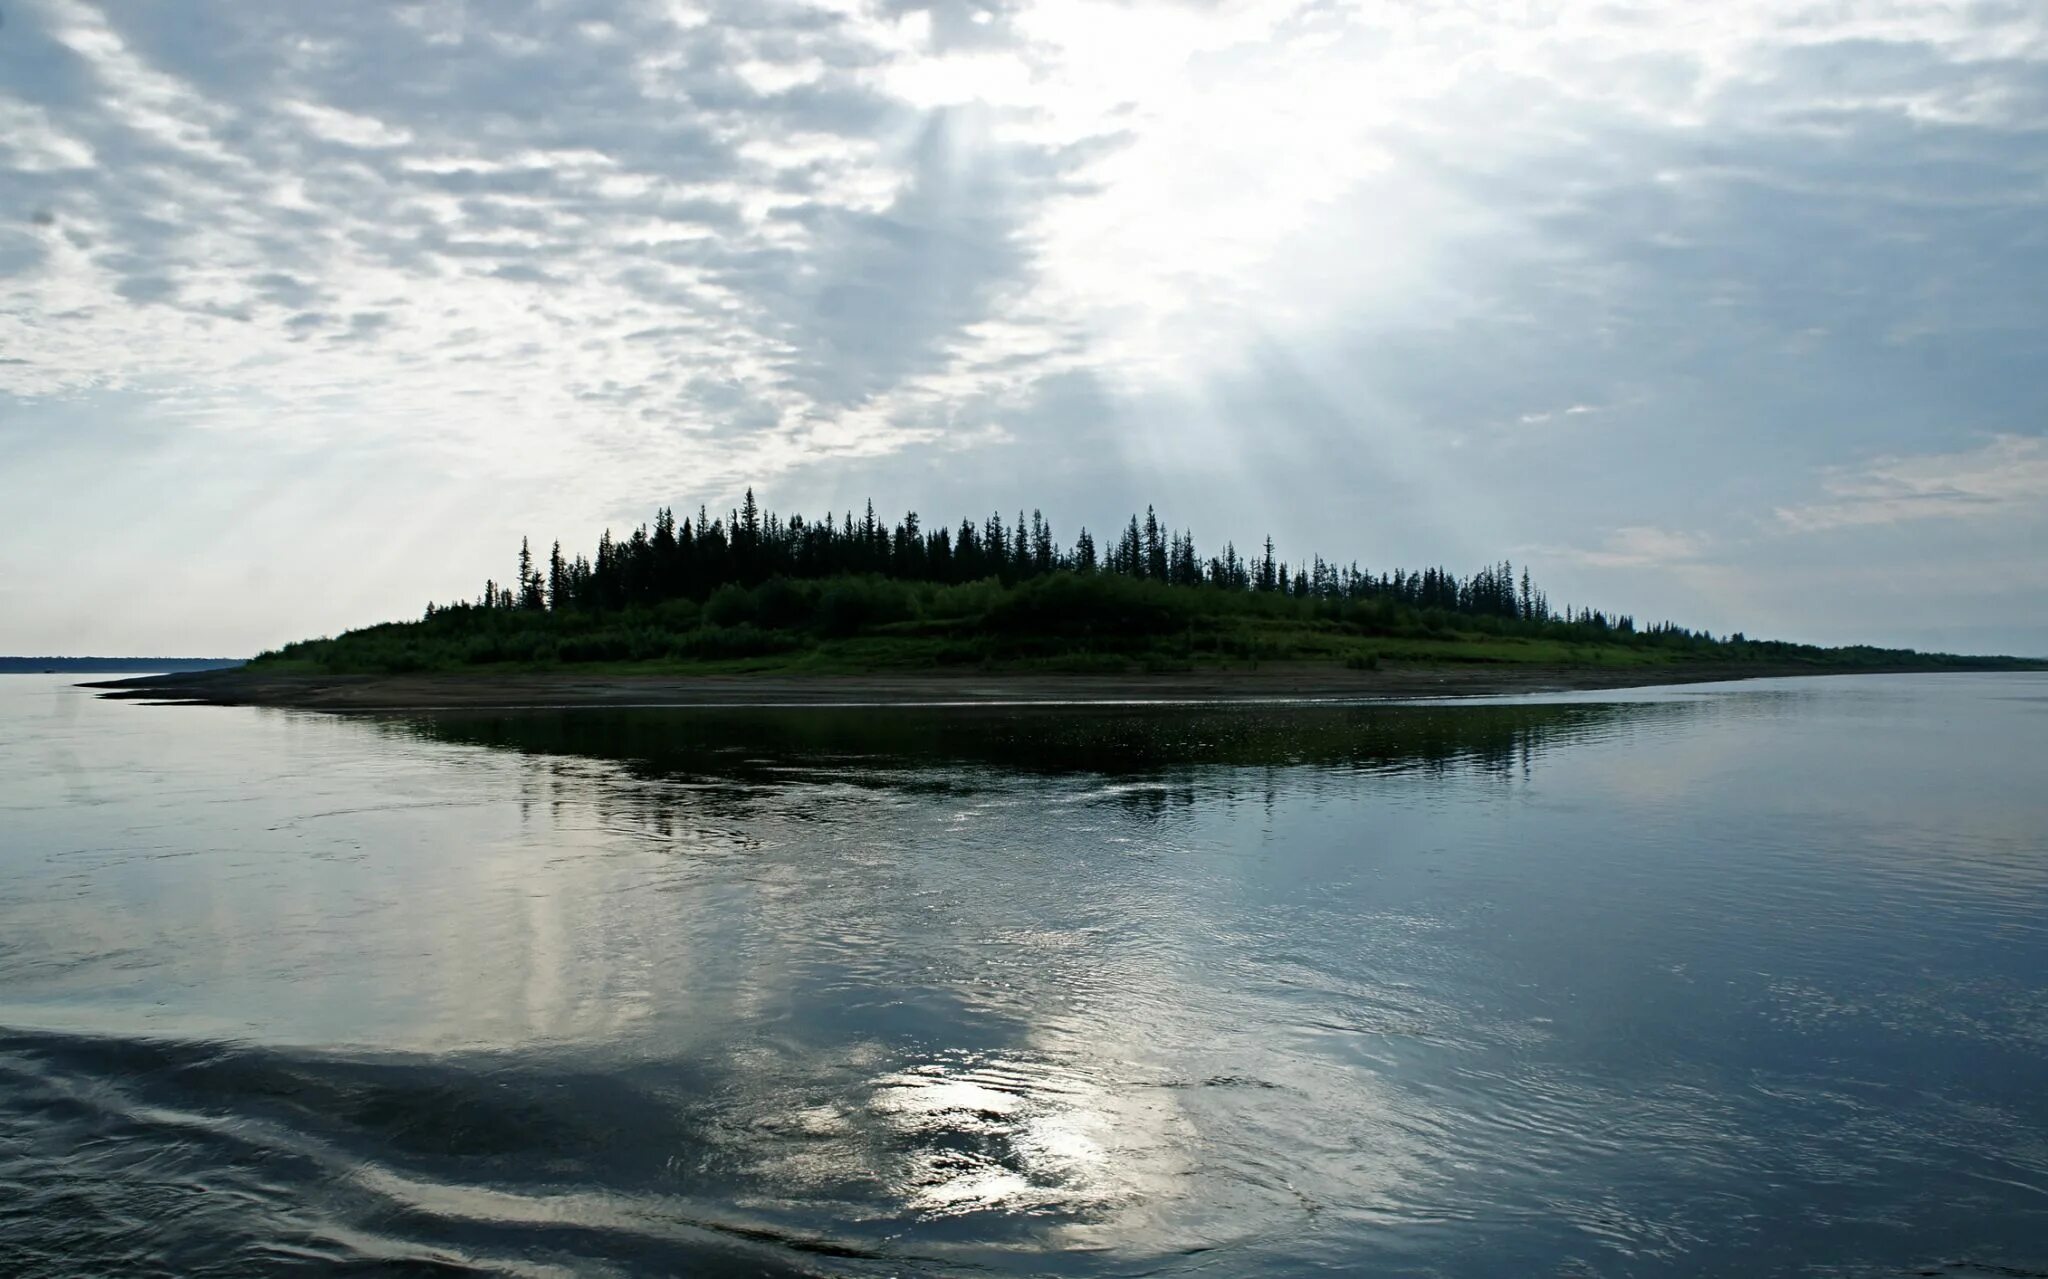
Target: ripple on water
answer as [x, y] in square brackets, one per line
[1720, 983]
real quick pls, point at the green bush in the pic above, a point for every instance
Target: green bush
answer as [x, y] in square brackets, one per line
[679, 615]
[780, 604]
[594, 646]
[714, 643]
[1090, 604]
[966, 600]
[729, 605]
[852, 605]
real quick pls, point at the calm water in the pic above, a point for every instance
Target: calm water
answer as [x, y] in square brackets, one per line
[1742, 980]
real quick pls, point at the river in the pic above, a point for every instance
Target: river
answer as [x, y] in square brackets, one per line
[1743, 979]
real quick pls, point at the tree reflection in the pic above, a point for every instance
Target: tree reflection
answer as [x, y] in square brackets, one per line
[1148, 761]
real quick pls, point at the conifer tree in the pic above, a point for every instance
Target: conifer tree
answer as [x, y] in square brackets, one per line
[1130, 553]
[1155, 547]
[698, 557]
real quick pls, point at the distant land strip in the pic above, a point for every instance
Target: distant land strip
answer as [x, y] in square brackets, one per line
[568, 688]
[89, 665]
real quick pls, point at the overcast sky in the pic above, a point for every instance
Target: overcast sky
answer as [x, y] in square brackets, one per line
[1733, 313]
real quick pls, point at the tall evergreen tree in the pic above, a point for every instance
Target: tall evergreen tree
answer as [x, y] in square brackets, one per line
[1130, 553]
[698, 557]
[1155, 547]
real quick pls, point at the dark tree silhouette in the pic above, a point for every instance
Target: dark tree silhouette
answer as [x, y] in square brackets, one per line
[694, 559]
[755, 582]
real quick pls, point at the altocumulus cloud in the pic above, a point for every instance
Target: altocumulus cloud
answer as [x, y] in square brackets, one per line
[1316, 264]
[547, 227]
[2004, 479]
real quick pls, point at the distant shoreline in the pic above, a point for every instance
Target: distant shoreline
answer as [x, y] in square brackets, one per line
[567, 688]
[16, 664]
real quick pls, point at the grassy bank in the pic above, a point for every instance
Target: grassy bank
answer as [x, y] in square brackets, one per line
[1060, 623]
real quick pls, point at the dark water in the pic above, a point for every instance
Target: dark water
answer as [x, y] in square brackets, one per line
[1743, 980]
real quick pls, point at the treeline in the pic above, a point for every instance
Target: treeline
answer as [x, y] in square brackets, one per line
[694, 558]
[754, 590]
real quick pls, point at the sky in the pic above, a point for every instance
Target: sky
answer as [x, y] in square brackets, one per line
[1732, 314]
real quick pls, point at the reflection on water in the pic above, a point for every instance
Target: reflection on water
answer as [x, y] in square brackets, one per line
[696, 766]
[877, 745]
[1739, 981]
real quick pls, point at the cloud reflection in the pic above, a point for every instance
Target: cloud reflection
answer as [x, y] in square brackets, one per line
[1001, 983]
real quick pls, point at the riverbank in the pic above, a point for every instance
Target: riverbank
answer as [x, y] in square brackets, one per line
[568, 688]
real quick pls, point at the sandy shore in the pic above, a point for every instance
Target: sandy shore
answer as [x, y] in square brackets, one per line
[482, 690]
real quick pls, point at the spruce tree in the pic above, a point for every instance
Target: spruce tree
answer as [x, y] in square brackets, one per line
[1155, 547]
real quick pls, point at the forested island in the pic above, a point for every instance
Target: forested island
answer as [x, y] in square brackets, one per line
[752, 591]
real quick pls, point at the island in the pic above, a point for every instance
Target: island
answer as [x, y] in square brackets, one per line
[752, 607]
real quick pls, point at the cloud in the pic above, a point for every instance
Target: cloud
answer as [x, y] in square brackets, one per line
[2006, 477]
[1638, 546]
[1547, 415]
[1291, 264]
[501, 206]
[346, 127]
[876, 214]
[31, 142]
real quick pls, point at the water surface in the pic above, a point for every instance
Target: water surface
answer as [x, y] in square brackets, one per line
[1740, 979]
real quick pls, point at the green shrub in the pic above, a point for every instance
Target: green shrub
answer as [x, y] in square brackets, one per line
[966, 599]
[1089, 604]
[852, 605]
[679, 615]
[594, 646]
[714, 643]
[729, 605]
[780, 604]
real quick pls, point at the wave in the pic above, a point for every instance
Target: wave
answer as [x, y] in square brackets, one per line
[153, 1157]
